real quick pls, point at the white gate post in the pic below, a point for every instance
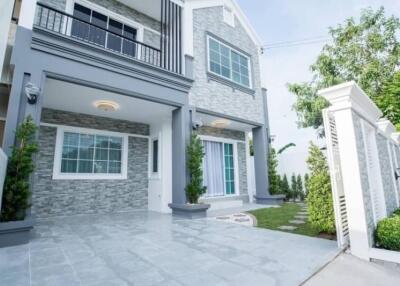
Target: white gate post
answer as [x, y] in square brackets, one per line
[346, 100]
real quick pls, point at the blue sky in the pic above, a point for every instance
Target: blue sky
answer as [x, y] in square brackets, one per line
[287, 20]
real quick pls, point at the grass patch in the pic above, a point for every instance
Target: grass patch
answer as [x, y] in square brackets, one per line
[272, 218]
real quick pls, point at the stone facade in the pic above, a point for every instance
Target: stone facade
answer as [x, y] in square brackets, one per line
[364, 178]
[71, 197]
[387, 175]
[149, 36]
[241, 149]
[212, 95]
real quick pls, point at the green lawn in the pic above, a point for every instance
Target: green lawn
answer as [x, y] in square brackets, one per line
[272, 218]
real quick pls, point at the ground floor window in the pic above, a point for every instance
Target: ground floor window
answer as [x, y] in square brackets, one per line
[219, 168]
[86, 154]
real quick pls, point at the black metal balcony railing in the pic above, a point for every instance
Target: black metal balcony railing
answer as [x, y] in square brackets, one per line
[60, 22]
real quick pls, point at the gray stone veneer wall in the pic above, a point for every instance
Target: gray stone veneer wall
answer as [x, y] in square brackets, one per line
[70, 197]
[149, 36]
[387, 176]
[211, 95]
[241, 149]
[364, 177]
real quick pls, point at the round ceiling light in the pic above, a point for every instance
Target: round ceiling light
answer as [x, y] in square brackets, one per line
[220, 123]
[106, 105]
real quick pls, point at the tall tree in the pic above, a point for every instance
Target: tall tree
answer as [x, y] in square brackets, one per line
[274, 179]
[300, 189]
[367, 51]
[306, 180]
[285, 188]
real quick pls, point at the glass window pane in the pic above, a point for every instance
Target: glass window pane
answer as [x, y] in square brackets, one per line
[225, 51]
[101, 154]
[215, 68]
[226, 72]
[85, 166]
[214, 45]
[100, 167]
[243, 61]
[80, 29]
[214, 56]
[235, 57]
[68, 166]
[129, 47]
[71, 139]
[70, 153]
[155, 156]
[86, 140]
[245, 81]
[225, 61]
[115, 142]
[102, 141]
[114, 167]
[98, 35]
[115, 155]
[86, 153]
[236, 77]
[114, 42]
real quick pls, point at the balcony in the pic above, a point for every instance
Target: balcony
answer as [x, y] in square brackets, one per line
[117, 37]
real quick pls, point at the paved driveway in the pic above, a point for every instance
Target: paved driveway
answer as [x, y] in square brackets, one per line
[145, 248]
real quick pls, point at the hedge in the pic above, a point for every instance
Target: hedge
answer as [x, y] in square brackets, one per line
[388, 233]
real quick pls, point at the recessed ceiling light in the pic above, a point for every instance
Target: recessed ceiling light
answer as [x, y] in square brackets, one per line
[220, 123]
[106, 105]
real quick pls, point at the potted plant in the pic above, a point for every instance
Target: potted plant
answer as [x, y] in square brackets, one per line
[194, 189]
[14, 223]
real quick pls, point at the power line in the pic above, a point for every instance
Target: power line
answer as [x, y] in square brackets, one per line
[295, 43]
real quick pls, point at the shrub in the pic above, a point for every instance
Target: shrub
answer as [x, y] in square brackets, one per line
[319, 197]
[19, 169]
[388, 233]
[195, 188]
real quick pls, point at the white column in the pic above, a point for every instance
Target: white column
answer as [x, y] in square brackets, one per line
[27, 14]
[346, 99]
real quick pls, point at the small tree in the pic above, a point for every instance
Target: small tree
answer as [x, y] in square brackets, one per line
[306, 179]
[20, 167]
[319, 198]
[285, 188]
[274, 179]
[300, 189]
[293, 187]
[195, 152]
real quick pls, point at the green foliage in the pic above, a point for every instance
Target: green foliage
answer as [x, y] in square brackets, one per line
[388, 233]
[285, 188]
[306, 179]
[319, 198]
[287, 146]
[367, 52]
[293, 187]
[300, 189]
[195, 153]
[20, 166]
[274, 179]
[397, 212]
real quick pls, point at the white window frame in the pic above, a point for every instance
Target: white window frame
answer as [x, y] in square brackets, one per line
[58, 175]
[235, 163]
[100, 9]
[230, 62]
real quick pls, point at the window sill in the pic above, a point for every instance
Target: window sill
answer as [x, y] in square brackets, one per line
[233, 85]
[89, 177]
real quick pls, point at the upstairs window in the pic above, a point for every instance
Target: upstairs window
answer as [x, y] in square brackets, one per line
[228, 63]
[97, 33]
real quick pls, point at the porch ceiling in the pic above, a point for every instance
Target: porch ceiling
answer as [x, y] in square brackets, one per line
[61, 95]
[150, 8]
[209, 120]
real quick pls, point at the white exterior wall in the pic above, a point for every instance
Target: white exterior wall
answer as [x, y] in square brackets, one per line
[6, 9]
[160, 185]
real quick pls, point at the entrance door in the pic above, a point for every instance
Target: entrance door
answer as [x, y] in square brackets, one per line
[218, 168]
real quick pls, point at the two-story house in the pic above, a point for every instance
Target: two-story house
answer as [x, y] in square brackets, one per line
[117, 87]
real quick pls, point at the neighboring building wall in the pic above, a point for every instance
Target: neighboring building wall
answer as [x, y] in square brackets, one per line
[6, 8]
[150, 37]
[387, 175]
[211, 95]
[241, 149]
[70, 197]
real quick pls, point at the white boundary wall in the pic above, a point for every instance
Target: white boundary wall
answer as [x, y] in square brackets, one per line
[3, 169]
[363, 155]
